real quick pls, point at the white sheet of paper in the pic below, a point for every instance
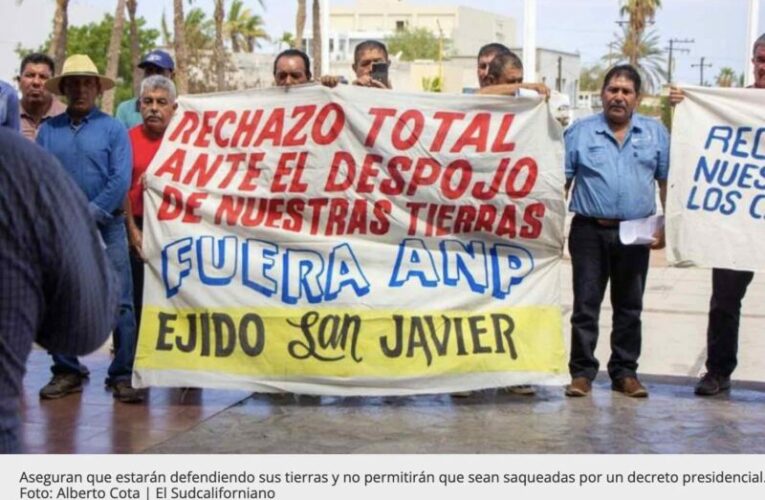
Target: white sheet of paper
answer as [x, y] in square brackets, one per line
[640, 231]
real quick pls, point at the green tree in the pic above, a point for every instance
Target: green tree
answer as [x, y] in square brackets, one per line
[591, 78]
[640, 13]
[418, 43]
[650, 58]
[726, 77]
[243, 28]
[93, 39]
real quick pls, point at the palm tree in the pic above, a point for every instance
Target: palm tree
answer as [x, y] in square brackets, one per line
[300, 24]
[640, 13]
[726, 77]
[113, 55]
[316, 45]
[648, 56]
[244, 28]
[287, 39]
[219, 53]
[179, 44]
[135, 49]
[57, 48]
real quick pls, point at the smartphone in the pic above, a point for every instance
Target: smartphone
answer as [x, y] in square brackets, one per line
[380, 72]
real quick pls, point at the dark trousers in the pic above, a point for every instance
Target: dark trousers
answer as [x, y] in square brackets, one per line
[136, 266]
[598, 256]
[728, 289]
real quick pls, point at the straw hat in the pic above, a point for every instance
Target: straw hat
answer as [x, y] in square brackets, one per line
[77, 65]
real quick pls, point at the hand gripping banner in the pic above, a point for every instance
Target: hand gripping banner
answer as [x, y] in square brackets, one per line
[716, 201]
[354, 242]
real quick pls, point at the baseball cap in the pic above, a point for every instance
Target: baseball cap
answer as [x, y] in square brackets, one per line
[158, 58]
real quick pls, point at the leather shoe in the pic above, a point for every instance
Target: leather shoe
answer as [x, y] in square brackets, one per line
[630, 387]
[711, 384]
[579, 387]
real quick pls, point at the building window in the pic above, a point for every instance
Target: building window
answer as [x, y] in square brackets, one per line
[400, 25]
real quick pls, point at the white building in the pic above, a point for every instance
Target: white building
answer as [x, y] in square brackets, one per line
[466, 28]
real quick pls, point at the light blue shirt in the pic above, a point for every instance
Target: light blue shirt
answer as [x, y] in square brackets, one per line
[128, 114]
[613, 181]
[96, 153]
[9, 107]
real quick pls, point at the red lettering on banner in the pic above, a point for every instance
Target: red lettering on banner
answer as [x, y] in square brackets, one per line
[304, 115]
[255, 212]
[466, 174]
[446, 118]
[476, 134]
[463, 221]
[187, 125]
[426, 172]
[273, 128]
[193, 202]
[381, 224]
[395, 185]
[227, 117]
[294, 222]
[368, 170]
[283, 170]
[173, 165]
[380, 114]
[317, 206]
[235, 160]
[524, 164]
[274, 213]
[357, 220]
[246, 128]
[202, 172]
[338, 211]
[334, 130]
[480, 190]
[414, 216]
[415, 129]
[230, 208]
[533, 216]
[252, 174]
[203, 139]
[445, 213]
[499, 145]
[485, 220]
[333, 184]
[172, 204]
[506, 224]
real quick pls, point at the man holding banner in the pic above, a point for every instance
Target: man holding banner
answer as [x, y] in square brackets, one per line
[728, 285]
[613, 160]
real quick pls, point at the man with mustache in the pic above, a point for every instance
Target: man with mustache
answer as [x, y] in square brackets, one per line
[93, 148]
[614, 160]
[157, 105]
[728, 286]
[37, 104]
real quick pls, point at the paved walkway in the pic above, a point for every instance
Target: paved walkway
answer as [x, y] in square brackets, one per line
[671, 420]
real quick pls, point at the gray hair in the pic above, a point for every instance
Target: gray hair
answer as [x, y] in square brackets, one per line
[155, 82]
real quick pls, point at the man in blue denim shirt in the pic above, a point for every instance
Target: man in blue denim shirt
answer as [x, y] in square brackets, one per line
[613, 159]
[9, 107]
[94, 149]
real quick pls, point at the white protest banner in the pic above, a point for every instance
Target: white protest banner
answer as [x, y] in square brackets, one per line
[354, 241]
[716, 199]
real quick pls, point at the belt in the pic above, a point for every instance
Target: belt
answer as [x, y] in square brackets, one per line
[599, 221]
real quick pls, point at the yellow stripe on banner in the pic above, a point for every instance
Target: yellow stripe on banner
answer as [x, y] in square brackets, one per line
[337, 343]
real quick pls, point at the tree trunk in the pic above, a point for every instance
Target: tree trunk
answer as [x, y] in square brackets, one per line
[235, 43]
[218, 52]
[113, 56]
[300, 25]
[135, 48]
[316, 45]
[57, 48]
[179, 36]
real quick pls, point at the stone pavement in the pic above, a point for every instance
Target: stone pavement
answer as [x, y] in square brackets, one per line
[671, 420]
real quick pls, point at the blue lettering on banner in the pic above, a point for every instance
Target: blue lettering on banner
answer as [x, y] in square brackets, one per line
[311, 277]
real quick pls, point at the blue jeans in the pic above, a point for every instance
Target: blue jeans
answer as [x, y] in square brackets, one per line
[124, 334]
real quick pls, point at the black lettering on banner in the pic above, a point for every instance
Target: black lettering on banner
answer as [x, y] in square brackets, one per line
[332, 339]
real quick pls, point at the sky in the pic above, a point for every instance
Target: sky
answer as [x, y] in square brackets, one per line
[585, 26]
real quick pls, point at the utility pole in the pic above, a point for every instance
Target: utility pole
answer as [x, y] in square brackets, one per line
[611, 47]
[701, 67]
[672, 48]
[559, 82]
